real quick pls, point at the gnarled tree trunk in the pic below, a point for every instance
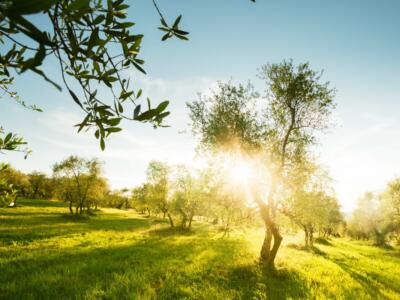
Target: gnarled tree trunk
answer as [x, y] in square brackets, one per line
[306, 236]
[272, 234]
[171, 221]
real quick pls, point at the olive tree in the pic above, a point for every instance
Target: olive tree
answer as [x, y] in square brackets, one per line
[77, 177]
[92, 42]
[158, 188]
[190, 191]
[297, 106]
[313, 211]
[391, 207]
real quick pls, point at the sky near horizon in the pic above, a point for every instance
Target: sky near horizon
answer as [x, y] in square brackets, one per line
[356, 43]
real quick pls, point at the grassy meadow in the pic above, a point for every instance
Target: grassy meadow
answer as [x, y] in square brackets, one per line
[116, 254]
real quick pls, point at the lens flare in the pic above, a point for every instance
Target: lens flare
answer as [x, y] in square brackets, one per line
[240, 171]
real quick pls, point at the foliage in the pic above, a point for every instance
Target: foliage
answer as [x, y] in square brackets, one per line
[311, 204]
[297, 106]
[8, 194]
[18, 180]
[12, 142]
[377, 216]
[140, 199]
[367, 221]
[80, 182]
[93, 44]
[227, 118]
[314, 211]
[191, 193]
[391, 208]
[157, 188]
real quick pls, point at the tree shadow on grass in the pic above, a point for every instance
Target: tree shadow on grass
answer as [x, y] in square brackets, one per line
[40, 203]
[367, 283]
[313, 249]
[51, 225]
[370, 281]
[157, 265]
[255, 282]
[323, 241]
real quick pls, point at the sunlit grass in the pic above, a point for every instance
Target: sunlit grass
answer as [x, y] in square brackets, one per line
[44, 253]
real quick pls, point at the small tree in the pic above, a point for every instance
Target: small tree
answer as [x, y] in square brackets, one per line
[189, 194]
[391, 207]
[368, 220]
[37, 183]
[17, 183]
[140, 199]
[76, 177]
[157, 189]
[313, 211]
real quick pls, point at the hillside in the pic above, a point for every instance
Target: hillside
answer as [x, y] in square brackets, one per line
[45, 253]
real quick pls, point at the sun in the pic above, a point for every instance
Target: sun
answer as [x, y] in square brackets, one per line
[240, 171]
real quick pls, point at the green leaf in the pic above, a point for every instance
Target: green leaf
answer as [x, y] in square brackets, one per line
[78, 5]
[41, 73]
[136, 111]
[102, 144]
[24, 7]
[7, 138]
[113, 129]
[114, 121]
[98, 19]
[176, 23]
[147, 115]
[139, 93]
[94, 38]
[162, 106]
[84, 123]
[164, 23]
[137, 66]
[31, 30]
[76, 99]
[120, 108]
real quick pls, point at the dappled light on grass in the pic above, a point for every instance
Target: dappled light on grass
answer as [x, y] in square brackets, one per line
[122, 255]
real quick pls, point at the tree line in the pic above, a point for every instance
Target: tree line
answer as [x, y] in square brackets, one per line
[377, 215]
[274, 134]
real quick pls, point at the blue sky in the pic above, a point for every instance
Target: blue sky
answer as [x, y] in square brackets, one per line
[356, 42]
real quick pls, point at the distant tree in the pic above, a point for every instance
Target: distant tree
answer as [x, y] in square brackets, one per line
[8, 194]
[115, 199]
[311, 204]
[158, 189]
[313, 211]
[97, 193]
[368, 220]
[190, 193]
[37, 183]
[17, 183]
[140, 199]
[76, 177]
[390, 205]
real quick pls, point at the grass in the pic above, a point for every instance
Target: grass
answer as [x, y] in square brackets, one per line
[46, 254]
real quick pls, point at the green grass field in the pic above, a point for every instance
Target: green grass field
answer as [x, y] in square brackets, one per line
[46, 254]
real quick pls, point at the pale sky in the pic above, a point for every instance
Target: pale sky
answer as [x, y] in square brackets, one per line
[356, 42]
